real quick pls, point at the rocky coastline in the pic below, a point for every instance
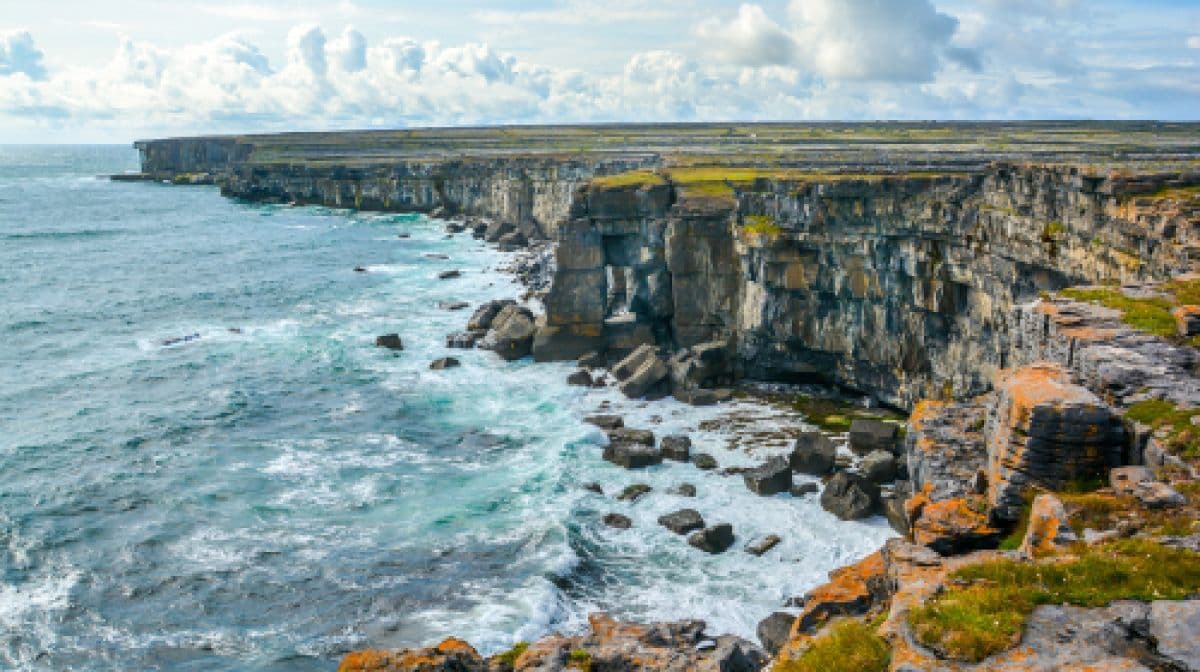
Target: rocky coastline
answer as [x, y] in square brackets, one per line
[1035, 320]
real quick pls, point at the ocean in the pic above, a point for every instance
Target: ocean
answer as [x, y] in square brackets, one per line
[206, 463]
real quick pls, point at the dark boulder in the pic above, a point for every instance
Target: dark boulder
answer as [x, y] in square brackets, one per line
[813, 453]
[444, 363]
[484, 314]
[497, 230]
[511, 335]
[805, 489]
[705, 462]
[633, 492]
[676, 447]
[682, 521]
[644, 437]
[632, 455]
[449, 275]
[592, 360]
[463, 340]
[850, 496]
[775, 630]
[867, 435]
[879, 466]
[594, 487]
[771, 477]
[618, 521]
[581, 378]
[605, 421]
[389, 341]
[715, 539]
[511, 242]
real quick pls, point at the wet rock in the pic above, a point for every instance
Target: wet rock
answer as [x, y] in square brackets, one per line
[772, 477]
[850, 497]
[879, 466]
[453, 305]
[581, 378]
[763, 544]
[594, 487]
[715, 539]
[618, 521]
[643, 437]
[605, 421]
[633, 492]
[483, 316]
[704, 397]
[813, 453]
[449, 275]
[496, 230]
[443, 363]
[704, 461]
[455, 227]
[634, 361]
[463, 340]
[683, 490]
[952, 527]
[389, 341]
[676, 447]
[867, 435]
[360, 269]
[774, 630]
[592, 360]
[452, 655]
[642, 374]
[600, 381]
[632, 455]
[1049, 530]
[511, 334]
[805, 489]
[682, 521]
[511, 242]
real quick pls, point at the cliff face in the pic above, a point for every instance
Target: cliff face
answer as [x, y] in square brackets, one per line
[902, 287]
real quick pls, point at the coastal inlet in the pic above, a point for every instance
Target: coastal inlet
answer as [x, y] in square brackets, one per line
[209, 465]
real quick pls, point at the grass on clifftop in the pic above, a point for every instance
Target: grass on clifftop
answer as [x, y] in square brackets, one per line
[845, 646]
[763, 225]
[984, 610]
[636, 178]
[1150, 314]
[1182, 437]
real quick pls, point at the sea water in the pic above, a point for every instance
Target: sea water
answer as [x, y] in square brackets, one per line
[206, 463]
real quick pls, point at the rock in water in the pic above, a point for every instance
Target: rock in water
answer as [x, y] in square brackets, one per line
[683, 490]
[868, 435]
[879, 466]
[705, 462]
[511, 335]
[715, 539]
[850, 497]
[633, 492]
[682, 521]
[676, 447]
[804, 489]
[774, 630]
[444, 363]
[632, 455]
[643, 437]
[618, 521]
[449, 275]
[482, 318]
[760, 546]
[605, 421]
[464, 340]
[772, 477]
[389, 341]
[581, 378]
[813, 454]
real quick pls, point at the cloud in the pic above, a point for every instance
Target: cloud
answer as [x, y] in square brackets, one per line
[349, 51]
[751, 39]
[873, 40]
[19, 54]
[1193, 42]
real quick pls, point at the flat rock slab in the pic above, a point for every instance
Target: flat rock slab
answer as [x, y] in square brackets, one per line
[762, 545]
[1175, 626]
[605, 421]
[633, 492]
[643, 437]
[867, 435]
[632, 455]
[618, 521]
[682, 521]
[389, 341]
[715, 539]
[444, 363]
[676, 447]
[772, 477]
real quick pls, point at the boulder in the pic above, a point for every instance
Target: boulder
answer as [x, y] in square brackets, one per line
[634, 361]
[645, 380]
[1048, 531]
[581, 378]
[618, 521]
[592, 360]
[605, 421]
[879, 466]
[482, 318]
[676, 447]
[452, 655]
[715, 539]
[774, 630]
[510, 242]
[389, 341]
[952, 527]
[632, 455]
[496, 230]
[1175, 627]
[1158, 495]
[682, 521]
[444, 363]
[683, 490]
[633, 492]
[511, 334]
[763, 544]
[813, 453]
[705, 462]
[453, 305]
[1125, 480]
[594, 487]
[704, 397]
[805, 489]
[850, 497]
[867, 435]
[644, 437]
[771, 477]
[851, 591]
[449, 275]
[1187, 321]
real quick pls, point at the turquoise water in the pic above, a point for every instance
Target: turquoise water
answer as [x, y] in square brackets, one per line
[276, 491]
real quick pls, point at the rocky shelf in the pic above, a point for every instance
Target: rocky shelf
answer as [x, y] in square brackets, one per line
[1023, 291]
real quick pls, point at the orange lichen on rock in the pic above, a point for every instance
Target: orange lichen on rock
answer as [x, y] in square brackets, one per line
[1049, 531]
[451, 654]
[952, 526]
[851, 591]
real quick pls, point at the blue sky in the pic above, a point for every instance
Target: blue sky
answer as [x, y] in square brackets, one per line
[110, 71]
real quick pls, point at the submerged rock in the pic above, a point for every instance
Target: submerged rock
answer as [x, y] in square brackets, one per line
[643, 437]
[444, 363]
[705, 462]
[605, 421]
[634, 492]
[580, 378]
[682, 521]
[715, 539]
[676, 447]
[760, 546]
[389, 341]
[683, 490]
[618, 521]
[632, 455]
[449, 275]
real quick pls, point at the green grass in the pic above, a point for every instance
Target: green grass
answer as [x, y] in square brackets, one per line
[1013, 541]
[580, 659]
[510, 657]
[1052, 231]
[1182, 437]
[984, 610]
[845, 646]
[1151, 314]
[763, 225]
[635, 178]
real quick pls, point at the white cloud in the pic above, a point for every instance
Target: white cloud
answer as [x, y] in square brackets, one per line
[752, 38]
[19, 54]
[1193, 42]
[872, 40]
[349, 51]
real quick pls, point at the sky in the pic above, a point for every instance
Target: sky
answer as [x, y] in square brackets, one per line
[117, 70]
